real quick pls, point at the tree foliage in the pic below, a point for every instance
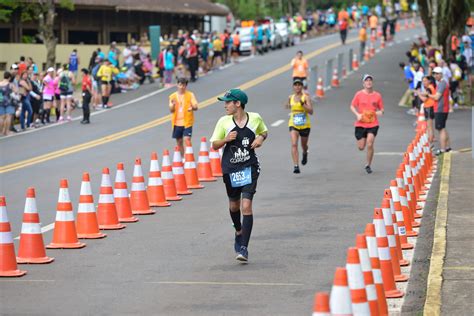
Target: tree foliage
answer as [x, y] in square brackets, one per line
[44, 13]
[443, 18]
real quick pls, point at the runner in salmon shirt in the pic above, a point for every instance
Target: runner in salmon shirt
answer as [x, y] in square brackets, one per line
[367, 106]
[300, 68]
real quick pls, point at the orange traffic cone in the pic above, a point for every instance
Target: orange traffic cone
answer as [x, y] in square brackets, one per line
[398, 208]
[366, 54]
[190, 170]
[138, 196]
[204, 165]
[65, 235]
[355, 62]
[413, 24]
[155, 190]
[407, 198]
[372, 37]
[87, 226]
[168, 179]
[421, 123]
[121, 198]
[371, 244]
[106, 211]
[372, 297]
[360, 306]
[321, 304]
[371, 50]
[340, 300]
[404, 244]
[406, 24]
[320, 88]
[31, 248]
[215, 160]
[335, 79]
[8, 266]
[178, 173]
[386, 268]
[391, 236]
[380, 232]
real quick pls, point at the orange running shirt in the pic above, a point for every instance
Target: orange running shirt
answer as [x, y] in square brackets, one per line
[429, 103]
[363, 35]
[367, 102]
[181, 107]
[373, 20]
[300, 68]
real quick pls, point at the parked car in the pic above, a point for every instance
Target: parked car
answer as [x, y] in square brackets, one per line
[245, 40]
[284, 31]
[275, 37]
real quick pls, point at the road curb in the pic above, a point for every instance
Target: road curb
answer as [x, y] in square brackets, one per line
[435, 278]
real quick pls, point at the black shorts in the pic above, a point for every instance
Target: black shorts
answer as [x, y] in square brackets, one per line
[180, 131]
[429, 113]
[57, 96]
[440, 120]
[217, 54]
[361, 132]
[245, 192]
[303, 132]
[104, 82]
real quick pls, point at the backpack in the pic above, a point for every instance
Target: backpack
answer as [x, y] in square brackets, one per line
[64, 83]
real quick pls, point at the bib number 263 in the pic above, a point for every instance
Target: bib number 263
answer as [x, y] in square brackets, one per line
[240, 178]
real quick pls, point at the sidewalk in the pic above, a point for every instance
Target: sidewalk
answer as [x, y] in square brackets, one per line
[457, 294]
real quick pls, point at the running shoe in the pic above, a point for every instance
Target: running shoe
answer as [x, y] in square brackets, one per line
[305, 159]
[243, 254]
[368, 169]
[448, 149]
[439, 152]
[69, 119]
[296, 169]
[237, 243]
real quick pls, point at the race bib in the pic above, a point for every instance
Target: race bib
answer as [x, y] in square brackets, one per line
[240, 178]
[299, 119]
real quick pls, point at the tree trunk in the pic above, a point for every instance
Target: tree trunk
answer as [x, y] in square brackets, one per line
[434, 22]
[290, 7]
[303, 7]
[46, 31]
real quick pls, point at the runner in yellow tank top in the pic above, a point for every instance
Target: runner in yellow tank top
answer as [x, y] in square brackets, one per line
[299, 123]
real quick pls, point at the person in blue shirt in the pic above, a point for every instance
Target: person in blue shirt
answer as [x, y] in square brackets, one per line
[260, 39]
[74, 62]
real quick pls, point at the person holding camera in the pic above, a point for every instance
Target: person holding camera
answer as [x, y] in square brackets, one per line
[299, 123]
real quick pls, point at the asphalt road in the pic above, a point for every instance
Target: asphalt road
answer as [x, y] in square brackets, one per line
[181, 261]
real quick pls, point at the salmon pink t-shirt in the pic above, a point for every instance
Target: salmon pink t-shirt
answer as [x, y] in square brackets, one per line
[367, 102]
[48, 86]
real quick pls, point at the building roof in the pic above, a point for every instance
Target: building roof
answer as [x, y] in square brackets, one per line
[192, 7]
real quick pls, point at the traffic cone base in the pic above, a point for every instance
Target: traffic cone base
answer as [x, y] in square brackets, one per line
[145, 212]
[91, 236]
[35, 244]
[407, 246]
[8, 251]
[112, 226]
[401, 278]
[131, 219]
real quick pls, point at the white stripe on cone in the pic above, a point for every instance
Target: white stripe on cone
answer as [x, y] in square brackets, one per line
[120, 193]
[30, 206]
[30, 228]
[86, 208]
[138, 186]
[65, 216]
[154, 181]
[6, 238]
[64, 196]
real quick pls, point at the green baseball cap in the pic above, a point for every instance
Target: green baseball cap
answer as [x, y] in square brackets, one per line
[234, 95]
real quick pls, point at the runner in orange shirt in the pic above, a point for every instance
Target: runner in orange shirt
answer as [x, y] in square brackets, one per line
[367, 105]
[373, 23]
[429, 103]
[182, 106]
[300, 68]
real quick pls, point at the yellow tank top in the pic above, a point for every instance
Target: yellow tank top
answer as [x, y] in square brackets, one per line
[299, 118]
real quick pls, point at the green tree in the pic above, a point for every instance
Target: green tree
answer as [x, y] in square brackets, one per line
[41, 11]
[443, 18]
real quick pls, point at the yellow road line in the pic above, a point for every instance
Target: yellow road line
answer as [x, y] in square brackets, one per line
[460, 268]
[151, 124]
[224, 283]
[435, 277]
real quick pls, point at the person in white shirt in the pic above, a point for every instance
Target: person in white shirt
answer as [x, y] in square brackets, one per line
[446, 71]
[127, 56]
